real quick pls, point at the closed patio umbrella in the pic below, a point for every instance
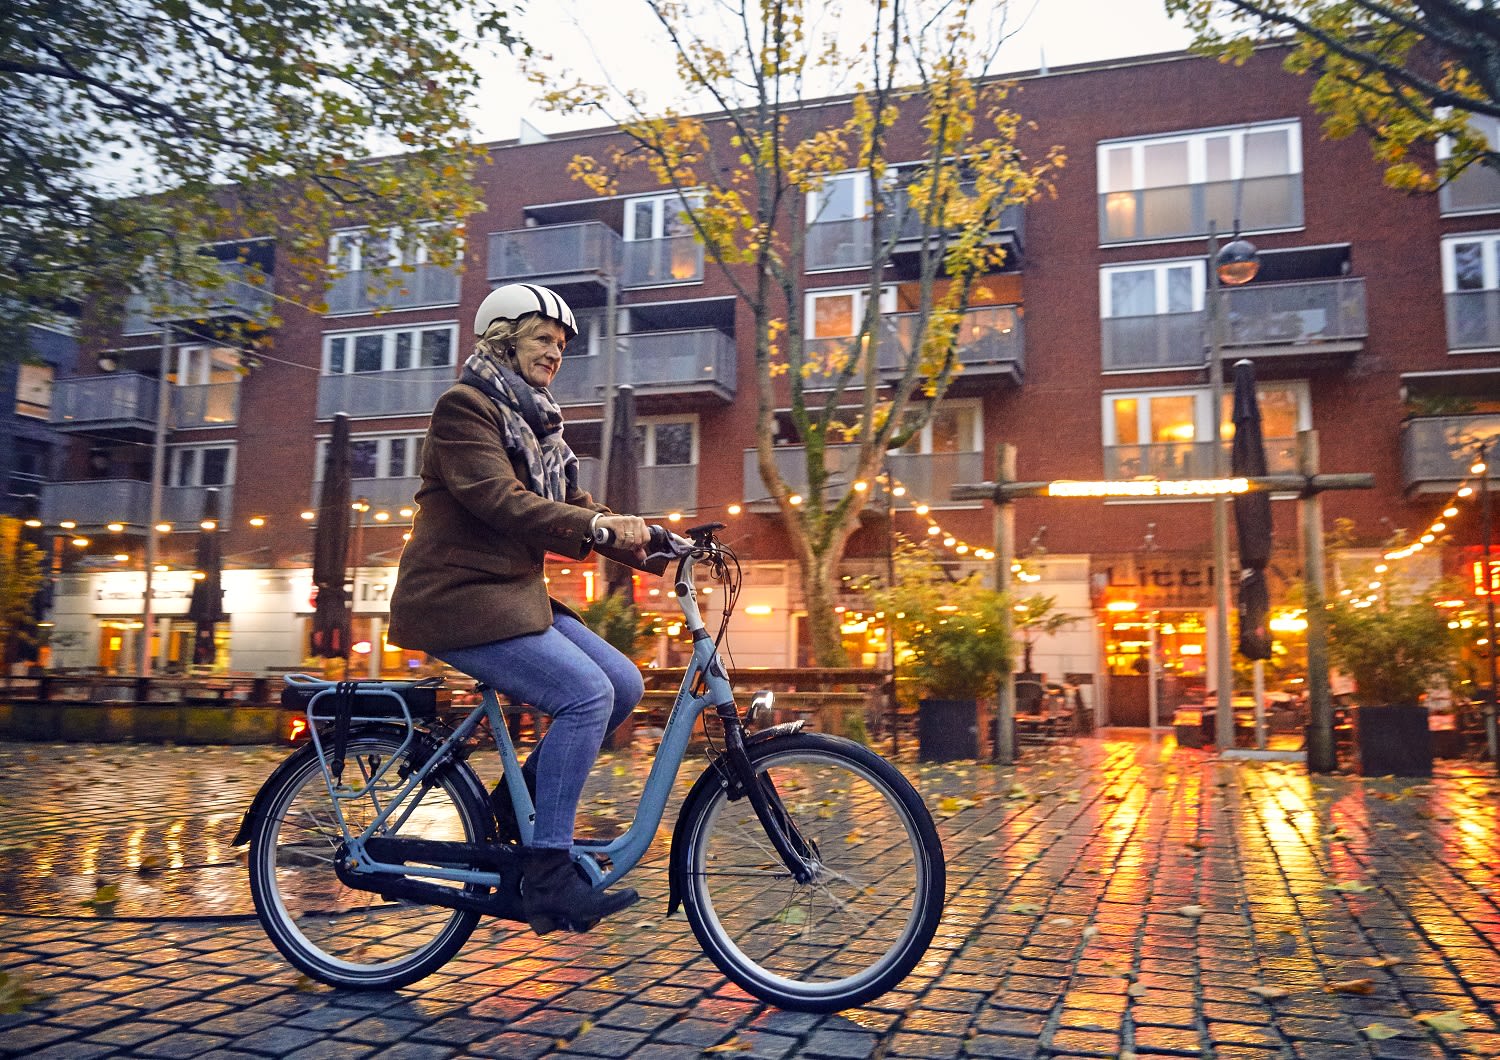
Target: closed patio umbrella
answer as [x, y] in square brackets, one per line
[622, 491]
[1252, 517]
[331, 619]
[206, 608]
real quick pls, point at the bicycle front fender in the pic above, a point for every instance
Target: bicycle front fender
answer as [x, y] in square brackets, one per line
[714, 776]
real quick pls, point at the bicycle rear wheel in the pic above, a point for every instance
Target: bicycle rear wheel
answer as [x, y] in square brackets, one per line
[870, 911]
[341, 935]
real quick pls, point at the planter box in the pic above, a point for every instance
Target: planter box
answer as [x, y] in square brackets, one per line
[1392, 740]
[947, 729]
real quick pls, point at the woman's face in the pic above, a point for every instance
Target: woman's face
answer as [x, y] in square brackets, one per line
[539, 354]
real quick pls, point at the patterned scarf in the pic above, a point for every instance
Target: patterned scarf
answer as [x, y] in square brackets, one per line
[530, 425]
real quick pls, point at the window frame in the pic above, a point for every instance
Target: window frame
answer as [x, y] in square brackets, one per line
[888, 300]
[383, 441]
[176, 454]
[1489, 262]
[648, 446]
[1203, 424]
[923, 438]
[1198, 268]
[1196, 139]
[389, 343]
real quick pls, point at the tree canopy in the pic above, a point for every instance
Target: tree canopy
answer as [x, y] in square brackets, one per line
[123, 124]
[1408, 73]
[925, 150]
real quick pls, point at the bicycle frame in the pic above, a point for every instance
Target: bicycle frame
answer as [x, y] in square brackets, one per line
[704, 672]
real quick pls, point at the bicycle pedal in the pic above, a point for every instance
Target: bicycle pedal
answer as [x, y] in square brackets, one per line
[543, 925]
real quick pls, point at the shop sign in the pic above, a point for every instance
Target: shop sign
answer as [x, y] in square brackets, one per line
[122, 592]
[1152, 581]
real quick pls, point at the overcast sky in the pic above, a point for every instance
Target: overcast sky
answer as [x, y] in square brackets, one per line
[619, 37]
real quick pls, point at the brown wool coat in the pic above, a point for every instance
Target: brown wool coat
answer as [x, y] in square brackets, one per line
[473, 570]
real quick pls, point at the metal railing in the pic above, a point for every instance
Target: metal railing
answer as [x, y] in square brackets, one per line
[121, 397]
[1188, 460]
[1162, 340]
[387, 495]
[663, 488]
[407, 392]
[1184, 210]
[671, 259]
[1473, 320]
[988, 337]
[98, 502]
[237, 295]
[366, 290]
[1440, 449]
[553, 250]
[928, 477]
[206, 404]
[695, 360]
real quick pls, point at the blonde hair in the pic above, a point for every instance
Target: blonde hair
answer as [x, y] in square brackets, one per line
[500, 338]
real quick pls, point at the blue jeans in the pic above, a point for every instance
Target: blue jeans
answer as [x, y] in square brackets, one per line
[584, 685]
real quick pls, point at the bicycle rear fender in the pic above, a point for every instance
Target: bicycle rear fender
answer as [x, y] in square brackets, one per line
[299, 757]
[713, 776]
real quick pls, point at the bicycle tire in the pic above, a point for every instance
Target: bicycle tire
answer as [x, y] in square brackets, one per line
[336, 934]
[876, 899]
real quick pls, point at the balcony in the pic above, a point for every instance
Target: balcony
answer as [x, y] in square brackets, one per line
[119, 402]
[697, 362]
[1314, 322]
[663, 489]
[1187, 460]
[928, 477]
[1475, 190]
[388, 495]
[657, 262]
[206, 405]
[1436, 451]
[408, 392]
[372, 290]
[555, 255]
[243, 294]
[1473, 320]
[849, 243]
[990, 341]
[1009, 231]
[95, 503]
[1184, 211]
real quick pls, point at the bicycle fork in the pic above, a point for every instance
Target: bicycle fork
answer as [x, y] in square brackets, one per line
[797, 853]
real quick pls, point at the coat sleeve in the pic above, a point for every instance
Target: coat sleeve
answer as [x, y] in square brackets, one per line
[476, 470]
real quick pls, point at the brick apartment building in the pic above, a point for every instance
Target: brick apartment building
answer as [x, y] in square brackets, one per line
[1373, 312]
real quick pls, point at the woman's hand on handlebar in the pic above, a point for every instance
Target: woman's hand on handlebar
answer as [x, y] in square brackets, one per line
[628, 532]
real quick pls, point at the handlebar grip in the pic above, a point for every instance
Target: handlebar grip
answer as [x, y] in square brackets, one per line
[603, 535]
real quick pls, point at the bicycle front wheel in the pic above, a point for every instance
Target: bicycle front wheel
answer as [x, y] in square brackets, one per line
[869, 912]
[334, 933]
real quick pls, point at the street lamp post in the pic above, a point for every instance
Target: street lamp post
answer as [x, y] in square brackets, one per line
[1482, 469]
[158, 475]
[1236, 264]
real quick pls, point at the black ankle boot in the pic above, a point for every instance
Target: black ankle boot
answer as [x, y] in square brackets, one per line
[554, 894]
[509, 830]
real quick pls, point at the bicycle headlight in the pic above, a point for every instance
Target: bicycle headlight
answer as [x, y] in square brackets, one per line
[762, 706]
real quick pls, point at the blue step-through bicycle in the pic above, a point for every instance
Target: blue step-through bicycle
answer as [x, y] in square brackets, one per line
[809, 869]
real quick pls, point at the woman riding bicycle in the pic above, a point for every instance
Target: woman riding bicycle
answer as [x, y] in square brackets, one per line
[499, 491]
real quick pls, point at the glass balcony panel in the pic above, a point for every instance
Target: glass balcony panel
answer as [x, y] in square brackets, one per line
[409, 392]
[1188, 460]
[678, 360]
[245, 292]
[98, 502]
[383, 494]
[580, 380]
[1475, 189]
[206, 404]
[366, 290]
[121, 397]
[929, 477]
[553, 250]
[1164, 340]
[1296, 313]
[987, 336]
[838, 244]
[1184, 211]
[1438, 450]
[791, 464]
[1473, 320]
[674, 259]
[667, 488]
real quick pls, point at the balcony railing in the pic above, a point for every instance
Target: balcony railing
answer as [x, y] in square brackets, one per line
[694, 361]
[849, 244]
[122, 399]
[553, 251]
[1476, 188]
[408, 392]
[206, 404]
[1473, 320]
[1437, 451]
[1279, 318]
[989, 338]
[1185, 210]
[652, 262]
[97, 502]
[664, 488]
[1188, 460]
[244, 293]
[928, 477]
[388, 495]
[368, 290]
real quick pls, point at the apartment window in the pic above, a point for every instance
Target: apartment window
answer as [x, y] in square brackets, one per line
[956, 427]
[667, 442]
[1152, 315]
[1169, 433]
[660, 243]
[1175, 186]
[837, 314]
[354, 249]
[1477, 188]
[378, 456]
[205, 364]
[390, 349]
[838, 223]
[201, 465]
[34, 390]
[32, 463]
[1471, 289]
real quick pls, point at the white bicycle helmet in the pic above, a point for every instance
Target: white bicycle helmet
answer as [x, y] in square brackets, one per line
[516, 300]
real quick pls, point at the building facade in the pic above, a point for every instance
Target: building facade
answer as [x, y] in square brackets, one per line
[1374, 320]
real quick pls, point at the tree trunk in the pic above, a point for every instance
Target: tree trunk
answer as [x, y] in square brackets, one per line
[819, 582]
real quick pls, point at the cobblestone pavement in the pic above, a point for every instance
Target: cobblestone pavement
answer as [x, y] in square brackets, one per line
[1112, 897]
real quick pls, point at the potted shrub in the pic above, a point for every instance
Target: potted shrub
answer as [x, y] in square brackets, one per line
[1395, 649]
[953, 643]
